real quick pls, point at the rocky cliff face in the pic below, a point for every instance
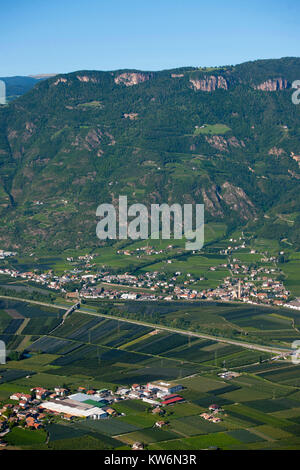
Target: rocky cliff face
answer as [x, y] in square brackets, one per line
[296, 158]
[276, 151]
[212, 201]
[218, 142]
[237, 200]
[209, 84]
[274, 84]
[216, 199]
[86, 79]
[59, 80]
[224, 145]
[131, 78]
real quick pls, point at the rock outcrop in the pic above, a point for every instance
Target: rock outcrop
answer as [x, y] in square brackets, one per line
[216, 199]
[218, 142]
[59, 80]
[86, 79]
[131, 78]
[237, 200]
[296, 158]
[222, 144]
[273, 84]
[93, 141]
[212, 201]
[131, 116]
[210, 83]
[277, 152]
[234, 142]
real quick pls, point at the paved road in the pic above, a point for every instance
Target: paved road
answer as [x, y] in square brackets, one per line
[253, 346]
[70, 310]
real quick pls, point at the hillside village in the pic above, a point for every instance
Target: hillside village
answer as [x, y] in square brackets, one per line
[258, 284]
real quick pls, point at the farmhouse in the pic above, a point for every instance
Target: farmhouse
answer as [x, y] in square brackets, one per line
[206, 416]
[40, 393]
[137, 446]
[60, 391]
[216, 419]
[228, 375]
[214, 408]
[158, 410]
[32, 423]
[160, 424]
[211, 417]
[21, 396]
[111, 412]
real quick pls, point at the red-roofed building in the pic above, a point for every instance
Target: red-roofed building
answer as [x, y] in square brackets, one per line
[169, 397]
[30, 422]
[160, 424]
[171, 401]
[135, 387]
[23, 403]
[20, 396]
[60, 391]
[214, 408]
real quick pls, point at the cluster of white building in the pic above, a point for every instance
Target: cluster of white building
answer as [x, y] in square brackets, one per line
[78, 404]
[6, 254]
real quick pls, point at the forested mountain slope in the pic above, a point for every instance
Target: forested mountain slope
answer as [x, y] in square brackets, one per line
[228, 137]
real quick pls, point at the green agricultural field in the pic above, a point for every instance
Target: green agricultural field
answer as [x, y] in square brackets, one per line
[183, 409]
[111, 427]
[148, 436]
[197, 265]
[260, 416]
[100, 352]
[220, 440]
[86, 442]
[288, 375]
[25, 437]
[195, 425]
[212, 129]
[292, 272]
[272, 432]
[245, 436]
[271, 406]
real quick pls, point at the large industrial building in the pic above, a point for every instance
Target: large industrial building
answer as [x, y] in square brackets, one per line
[71, 407]
[165, 387]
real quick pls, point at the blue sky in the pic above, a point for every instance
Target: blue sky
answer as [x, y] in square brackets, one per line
[41, 36]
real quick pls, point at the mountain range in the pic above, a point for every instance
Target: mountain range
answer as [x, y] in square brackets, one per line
[228, 137]
[18, 85]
